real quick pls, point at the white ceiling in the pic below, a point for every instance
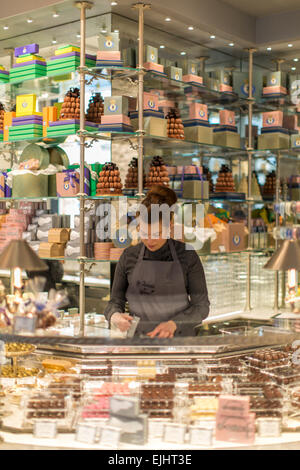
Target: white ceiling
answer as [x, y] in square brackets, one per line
[259, 8]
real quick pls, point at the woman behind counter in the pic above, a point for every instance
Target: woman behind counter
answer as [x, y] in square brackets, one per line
[163, 282]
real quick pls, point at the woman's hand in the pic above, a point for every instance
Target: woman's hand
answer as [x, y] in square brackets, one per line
[164, 330]
[121, 321]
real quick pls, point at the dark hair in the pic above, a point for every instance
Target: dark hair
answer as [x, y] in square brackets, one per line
[159, 195]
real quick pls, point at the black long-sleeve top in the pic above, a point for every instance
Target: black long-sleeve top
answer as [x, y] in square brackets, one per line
[194, 278]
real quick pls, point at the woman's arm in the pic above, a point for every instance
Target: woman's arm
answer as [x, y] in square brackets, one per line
[197, 290]
[120, 284]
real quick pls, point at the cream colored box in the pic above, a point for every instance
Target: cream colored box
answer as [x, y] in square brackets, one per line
[152, 126]
[273, 140]
[201, 134]
[227, 139]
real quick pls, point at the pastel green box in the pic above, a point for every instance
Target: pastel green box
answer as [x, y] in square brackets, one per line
[200, 134]
[30, 185]
[273, 140]
[227, 139]
[152, 126]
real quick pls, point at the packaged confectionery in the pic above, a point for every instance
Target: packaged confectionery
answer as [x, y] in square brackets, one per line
[175, 126]
[109, 182]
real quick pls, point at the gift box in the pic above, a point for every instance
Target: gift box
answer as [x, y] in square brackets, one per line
[7, 189]
[276, 79]
[241, 84]
[295, 141]
[198, 131]
[227, 118]
[51, 250]
[27, 72]
[29, 49]
[67, 49]
[115, 105]
[225, 136]
[192, 79]
[31, 184]
[239, 429]
[225, 88]
[273, 119]
[195, 189]
[231, 237]
[4, 76]
[232, 405]
[190, 67]
[174, 73]
[274, 91]
[154, 123]
[58, 235]
[67, 183]
[87, 176]
[8, 117]
[153, 67]
[116, 119]
[198, 111]
[150, 54]
[150, 101]
[273, 138]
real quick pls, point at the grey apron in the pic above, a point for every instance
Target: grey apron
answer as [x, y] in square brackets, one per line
[156, 290]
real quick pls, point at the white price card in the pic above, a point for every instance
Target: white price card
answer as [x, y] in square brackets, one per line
[110, 437]
[156, 428]
[269, 427]
[24, 324]
[86, 433]
[174, 433]
[26, 381]
[222, 248]
[200, 436]
[45, 429]
[7, 382]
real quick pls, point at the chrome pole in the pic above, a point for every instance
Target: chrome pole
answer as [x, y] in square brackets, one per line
[141, 7]
[83, 6]
[277, 196]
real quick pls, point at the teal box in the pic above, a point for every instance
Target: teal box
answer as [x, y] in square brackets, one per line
[151, 54]
[115, 105]
[276, 79]
[223, 76]
[240, 83]
[174, 73]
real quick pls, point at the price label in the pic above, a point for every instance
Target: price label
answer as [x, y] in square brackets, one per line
[26, 381]
[269, 427]
[156, 428]
[174, 433]
[6, 382]
[24, 324]
[200, 436]
[86, 433]
[222, 248]
[110, 437]
[45, 429]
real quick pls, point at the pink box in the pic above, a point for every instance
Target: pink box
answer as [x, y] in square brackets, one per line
[117, 119]
[108, 55]
[235, 429]
[67, 183]
[290, 121]
[198, 111]
[227, 118]
[234, 405]
[172, 170]
[270, 90]
[154, 67]
[151, 101]
[273, 119]
[188, 170]
[192, 78]
[225, 88]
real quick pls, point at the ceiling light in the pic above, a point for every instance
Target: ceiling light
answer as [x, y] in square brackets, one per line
[5, 27]
[290, 45]
[78, 36]
[269, 48]
[293, 68]
[212, 36]
[167, 19]
[191, 28]
[113, 4]
[55, 14]
[29, 20]
[116, 30]
[54, 41]
[296, 60]
[182, 53]
[103, 30]
[231, 44]
[161, 47]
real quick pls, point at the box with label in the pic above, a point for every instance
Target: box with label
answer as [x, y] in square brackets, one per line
[115, 105]
[150, 54]
[231, 237]
[239, 429]
[195, 189]
[198, 131]
[227, 118]
[225, 136]
[198, 111]
[67, 183]
[154, 123]
[150, 101]
[223, 76]
[174, 73]
[273, 119]
[234, 405]
[190, 67]
[240, 83]
[275, 138]
[108, 41]
[295, 141]
[29, 49]
[276, 79]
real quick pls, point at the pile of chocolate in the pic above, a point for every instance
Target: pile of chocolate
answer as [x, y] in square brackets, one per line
[95, 108]
[269, 188]
[109, 181]
[131, 181]
[158, 174]
[175, 127]
[208, 177]
[225, 181]
[2, 111]
[71, 105]
[157, 399]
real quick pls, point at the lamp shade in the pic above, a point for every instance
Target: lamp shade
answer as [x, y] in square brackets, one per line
[286, 257]
[18, 254]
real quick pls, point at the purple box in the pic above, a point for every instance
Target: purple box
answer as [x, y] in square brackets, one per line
[4, 72]
[72, 54]
[28, 118]
[71, 122]
[29, 49]
[25, 123]
[31, 62]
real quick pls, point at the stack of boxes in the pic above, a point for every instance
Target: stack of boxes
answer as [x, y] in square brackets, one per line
[67, 59]
[115, 118]
[28, 64]
[273, 135]
[1, 121]
[4, 75]
[234, 422]
[197, 127]
[276, 85]
[154, 120]
[151, 60]
[27, 122]
[109, 54]
[190, 71]
[174, 73]
[56, 242]
[226, 134]
[12, 226]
